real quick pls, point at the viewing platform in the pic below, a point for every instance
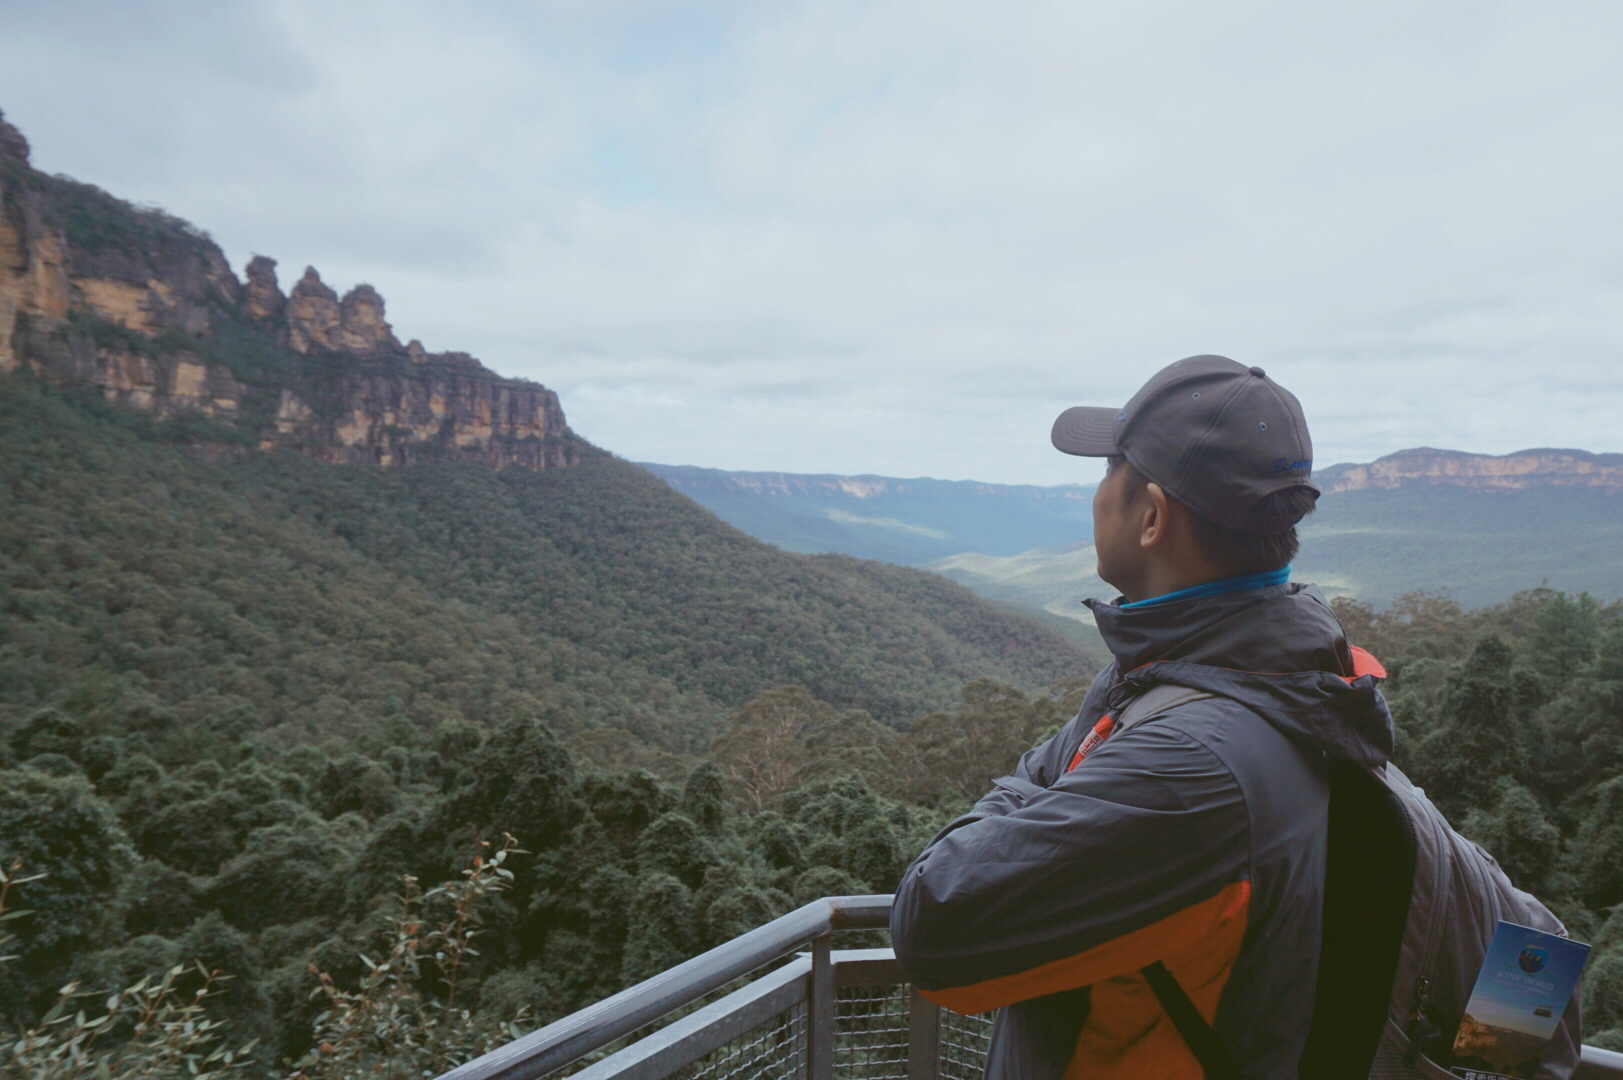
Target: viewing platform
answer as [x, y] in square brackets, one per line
[791, 1007]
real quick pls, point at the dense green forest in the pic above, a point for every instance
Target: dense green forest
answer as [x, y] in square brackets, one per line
[165, 846]
[281, 865]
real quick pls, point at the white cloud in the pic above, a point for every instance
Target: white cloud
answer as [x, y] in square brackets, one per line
[898, 237]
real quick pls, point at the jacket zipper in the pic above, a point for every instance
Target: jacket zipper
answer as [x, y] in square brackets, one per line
[1420, 1026]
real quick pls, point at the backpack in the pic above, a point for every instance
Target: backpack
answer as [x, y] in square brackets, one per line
[1410, 906]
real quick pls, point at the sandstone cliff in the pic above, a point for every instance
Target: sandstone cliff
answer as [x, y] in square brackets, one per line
[1506, 472]
[145, 309]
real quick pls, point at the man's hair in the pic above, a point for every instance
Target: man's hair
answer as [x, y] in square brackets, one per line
[1235, 550]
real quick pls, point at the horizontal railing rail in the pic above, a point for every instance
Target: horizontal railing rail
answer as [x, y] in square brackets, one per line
[791, 1013]
[1597, 1064]
[596, 1026]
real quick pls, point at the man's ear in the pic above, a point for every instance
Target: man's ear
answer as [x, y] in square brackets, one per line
[1154, 525]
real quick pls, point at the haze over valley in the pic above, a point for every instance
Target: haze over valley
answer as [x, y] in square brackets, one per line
[1477, 527]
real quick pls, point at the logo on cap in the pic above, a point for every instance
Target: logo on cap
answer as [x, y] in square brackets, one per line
[1285, 465]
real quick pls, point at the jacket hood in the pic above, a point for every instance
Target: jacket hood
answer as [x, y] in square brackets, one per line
[1278, 651]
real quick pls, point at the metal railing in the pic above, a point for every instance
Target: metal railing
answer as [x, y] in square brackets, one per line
[810, 1012]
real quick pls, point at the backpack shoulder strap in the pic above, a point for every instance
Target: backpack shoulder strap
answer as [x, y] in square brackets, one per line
[1215, 1060]
[1154, 702]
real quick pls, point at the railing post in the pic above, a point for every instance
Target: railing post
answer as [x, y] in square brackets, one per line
[923, 1038]
[820, 1012]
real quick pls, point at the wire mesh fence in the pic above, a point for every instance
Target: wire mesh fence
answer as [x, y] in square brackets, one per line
[964, 1042]
[775, 1050]
[871, 1033]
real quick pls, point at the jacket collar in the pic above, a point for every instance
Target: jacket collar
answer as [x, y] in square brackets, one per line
[1277, 650]
[1277, 628]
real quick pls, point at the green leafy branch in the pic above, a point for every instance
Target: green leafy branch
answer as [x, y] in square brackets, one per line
[390, 1026]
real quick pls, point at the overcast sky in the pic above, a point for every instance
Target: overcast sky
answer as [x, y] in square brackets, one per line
[900, 237]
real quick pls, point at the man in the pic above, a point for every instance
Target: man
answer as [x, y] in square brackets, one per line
[1177, 863]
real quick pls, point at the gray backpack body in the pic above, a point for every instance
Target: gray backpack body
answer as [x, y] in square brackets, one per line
[1410, 908]
[1457, 897]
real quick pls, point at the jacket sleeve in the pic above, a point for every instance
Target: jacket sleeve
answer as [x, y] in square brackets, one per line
[1137, 855]
[1042, 764]
[1010, 792]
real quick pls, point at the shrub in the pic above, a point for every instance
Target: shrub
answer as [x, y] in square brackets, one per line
[407, 1017]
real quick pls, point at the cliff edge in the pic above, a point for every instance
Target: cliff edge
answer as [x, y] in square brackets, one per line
[1524, 469]
[145, 309]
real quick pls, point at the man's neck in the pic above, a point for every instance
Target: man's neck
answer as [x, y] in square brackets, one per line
[1164, 578]
[1194, 590]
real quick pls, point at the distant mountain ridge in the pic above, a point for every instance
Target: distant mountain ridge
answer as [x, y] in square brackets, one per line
[907, 521]
[691, 478]
[918, 520]
[1480, 525]
[1519, 471]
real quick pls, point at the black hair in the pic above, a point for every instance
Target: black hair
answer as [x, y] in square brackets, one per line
[1238, 551]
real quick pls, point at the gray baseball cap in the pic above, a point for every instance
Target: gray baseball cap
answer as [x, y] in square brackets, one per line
[1216, 435]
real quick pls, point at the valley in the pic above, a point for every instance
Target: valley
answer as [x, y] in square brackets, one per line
[1477, 527]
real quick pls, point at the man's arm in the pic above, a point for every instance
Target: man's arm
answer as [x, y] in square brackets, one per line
[1138, 854]
[1042, 764]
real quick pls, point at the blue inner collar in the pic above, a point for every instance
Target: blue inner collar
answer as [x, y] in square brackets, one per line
[1217, 588]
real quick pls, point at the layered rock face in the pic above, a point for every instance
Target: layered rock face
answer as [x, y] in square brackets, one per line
[1506, 472]
[94, 292]
[398, 419]
[167, 383]
[33, 257]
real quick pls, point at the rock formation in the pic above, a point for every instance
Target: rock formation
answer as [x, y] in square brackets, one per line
[362, 328]
[313, 314]
[317, 321]
[130, 304]
[398, 418]
[263, 299]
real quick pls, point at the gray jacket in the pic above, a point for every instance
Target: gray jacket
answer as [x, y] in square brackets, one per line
[1197, 840]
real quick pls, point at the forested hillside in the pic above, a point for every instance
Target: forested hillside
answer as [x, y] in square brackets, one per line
[306, 601]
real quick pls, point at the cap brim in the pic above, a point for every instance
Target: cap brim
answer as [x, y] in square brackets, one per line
[1087, 431]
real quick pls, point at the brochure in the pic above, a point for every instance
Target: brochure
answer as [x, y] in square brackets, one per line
[1526, 980]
